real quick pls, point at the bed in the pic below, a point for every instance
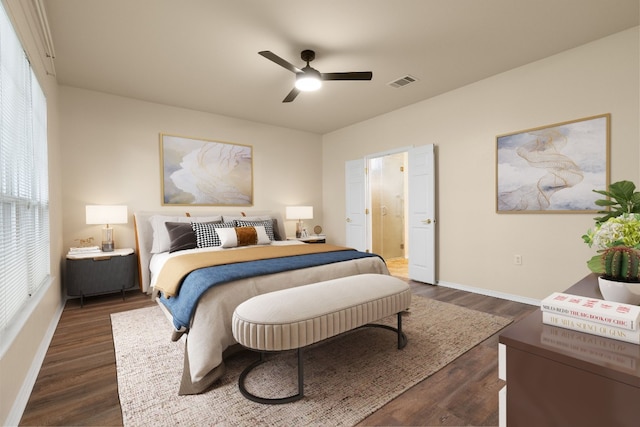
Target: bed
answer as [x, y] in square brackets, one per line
[199, 285]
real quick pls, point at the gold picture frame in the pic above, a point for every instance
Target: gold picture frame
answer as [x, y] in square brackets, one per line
[554, 168]
[202, 172]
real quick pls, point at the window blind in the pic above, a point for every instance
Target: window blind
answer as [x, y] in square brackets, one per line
[24, 192]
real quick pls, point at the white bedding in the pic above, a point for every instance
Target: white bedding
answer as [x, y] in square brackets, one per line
[210, 333]
[159, 259]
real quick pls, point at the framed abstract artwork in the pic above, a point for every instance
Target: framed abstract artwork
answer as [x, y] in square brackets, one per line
[204, 172]
[555, 168]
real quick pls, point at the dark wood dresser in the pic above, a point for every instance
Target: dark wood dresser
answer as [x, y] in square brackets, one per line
[560, 377]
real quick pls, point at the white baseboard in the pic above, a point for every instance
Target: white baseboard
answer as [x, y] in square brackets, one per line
[490, 293]
[22, 398]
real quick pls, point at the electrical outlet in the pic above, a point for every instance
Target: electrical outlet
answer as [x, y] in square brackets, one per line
[517, 259]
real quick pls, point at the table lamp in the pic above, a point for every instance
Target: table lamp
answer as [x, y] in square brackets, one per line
[299, 213]
[106, 214]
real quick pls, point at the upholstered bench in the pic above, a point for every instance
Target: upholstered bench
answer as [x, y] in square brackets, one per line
[294, 318]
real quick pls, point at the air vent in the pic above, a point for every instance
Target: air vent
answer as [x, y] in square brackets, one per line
[402, 81]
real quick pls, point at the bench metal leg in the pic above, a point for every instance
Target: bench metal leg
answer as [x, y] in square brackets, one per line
[278, 400]
[402, 338]
[402, 342]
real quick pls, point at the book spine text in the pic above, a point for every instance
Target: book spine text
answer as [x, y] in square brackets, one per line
[599, 311]
[589, 327]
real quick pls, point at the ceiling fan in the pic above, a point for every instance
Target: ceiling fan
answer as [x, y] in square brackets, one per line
[308, 78]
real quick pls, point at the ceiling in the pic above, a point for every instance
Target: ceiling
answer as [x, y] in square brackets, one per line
[203, 54]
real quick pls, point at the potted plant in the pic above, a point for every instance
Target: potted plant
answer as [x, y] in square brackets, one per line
[618, 259]
[622, 197]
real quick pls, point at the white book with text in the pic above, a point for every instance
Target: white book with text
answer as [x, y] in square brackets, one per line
[609, 313]
[588, 327]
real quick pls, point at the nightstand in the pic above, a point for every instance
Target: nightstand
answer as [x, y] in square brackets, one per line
[100, 273]
[314, 238]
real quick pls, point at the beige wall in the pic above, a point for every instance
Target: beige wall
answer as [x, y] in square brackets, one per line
[475, 245]
[111, 156]
[20, 362]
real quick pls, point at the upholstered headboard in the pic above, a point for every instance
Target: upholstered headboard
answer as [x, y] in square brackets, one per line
[144, 235]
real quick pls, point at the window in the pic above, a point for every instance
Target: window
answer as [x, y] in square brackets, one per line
[24, 192]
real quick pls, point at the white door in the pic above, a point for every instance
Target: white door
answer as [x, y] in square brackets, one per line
[356, 235]
[421, 218]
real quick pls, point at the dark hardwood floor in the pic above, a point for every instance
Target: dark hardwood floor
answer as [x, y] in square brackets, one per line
[77, 383]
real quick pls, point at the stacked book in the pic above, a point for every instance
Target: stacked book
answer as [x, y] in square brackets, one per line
[593, 316]
[594, 348]
[84, 250]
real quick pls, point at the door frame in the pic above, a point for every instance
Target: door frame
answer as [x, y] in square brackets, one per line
[367, 202]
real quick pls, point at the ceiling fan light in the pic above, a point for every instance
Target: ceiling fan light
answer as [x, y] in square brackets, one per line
[307, 83]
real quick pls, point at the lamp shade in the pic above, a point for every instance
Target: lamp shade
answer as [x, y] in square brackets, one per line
[299, 212]
[106, 214]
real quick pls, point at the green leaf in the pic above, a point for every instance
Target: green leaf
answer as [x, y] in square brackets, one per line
[625, 188]
[596, 264]
[621, 198]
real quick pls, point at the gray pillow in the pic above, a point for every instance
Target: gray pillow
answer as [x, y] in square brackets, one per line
[181, 236]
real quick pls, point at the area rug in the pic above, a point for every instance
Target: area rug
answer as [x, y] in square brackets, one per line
[346, 378]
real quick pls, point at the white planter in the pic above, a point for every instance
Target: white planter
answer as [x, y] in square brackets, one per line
[628, 293]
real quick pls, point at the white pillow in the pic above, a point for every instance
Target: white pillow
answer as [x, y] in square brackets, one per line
[229, 237]
[161, 240]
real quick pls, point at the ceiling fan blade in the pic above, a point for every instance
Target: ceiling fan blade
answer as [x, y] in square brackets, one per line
[292, 95]
[281, 62]
[355, 75]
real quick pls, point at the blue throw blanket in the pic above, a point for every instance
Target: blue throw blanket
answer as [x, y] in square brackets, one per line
[199, 281]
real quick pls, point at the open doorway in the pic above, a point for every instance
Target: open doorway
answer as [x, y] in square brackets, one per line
[419, 228]
[387, 183]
